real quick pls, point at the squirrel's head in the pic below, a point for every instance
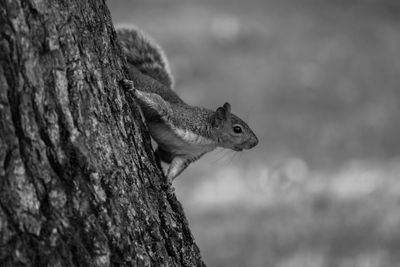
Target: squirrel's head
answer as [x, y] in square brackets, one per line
[231, 131]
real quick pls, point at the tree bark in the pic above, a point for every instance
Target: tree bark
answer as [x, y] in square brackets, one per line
[79, 185]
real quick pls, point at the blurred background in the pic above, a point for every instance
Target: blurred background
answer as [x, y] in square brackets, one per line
[318, 81]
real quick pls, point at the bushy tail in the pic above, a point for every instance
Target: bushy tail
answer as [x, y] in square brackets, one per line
[145, 54]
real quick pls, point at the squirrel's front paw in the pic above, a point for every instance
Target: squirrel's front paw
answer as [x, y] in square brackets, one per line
[128, 84]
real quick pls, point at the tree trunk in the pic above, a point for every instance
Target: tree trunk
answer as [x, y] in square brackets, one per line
[78, 182]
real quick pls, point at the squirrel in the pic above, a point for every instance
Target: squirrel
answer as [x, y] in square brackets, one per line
[184, 133]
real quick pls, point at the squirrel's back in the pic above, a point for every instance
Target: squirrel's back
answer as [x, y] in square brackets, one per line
[145, 54]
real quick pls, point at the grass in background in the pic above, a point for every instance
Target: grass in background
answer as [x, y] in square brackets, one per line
[318, 81]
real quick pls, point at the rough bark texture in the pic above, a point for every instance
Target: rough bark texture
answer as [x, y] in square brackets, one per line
[78, 182]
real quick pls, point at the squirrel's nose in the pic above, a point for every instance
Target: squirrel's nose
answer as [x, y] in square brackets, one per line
[252, 143]
[255, 142]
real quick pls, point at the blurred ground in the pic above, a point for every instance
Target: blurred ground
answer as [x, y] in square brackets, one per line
[318, 81]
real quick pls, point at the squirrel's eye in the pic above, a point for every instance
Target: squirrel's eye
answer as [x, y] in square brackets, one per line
[237, 129]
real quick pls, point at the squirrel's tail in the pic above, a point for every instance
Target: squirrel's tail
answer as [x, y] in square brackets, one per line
[145, 54]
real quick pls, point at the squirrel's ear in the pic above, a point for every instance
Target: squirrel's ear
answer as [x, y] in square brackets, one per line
[222, 114]
[227, 107]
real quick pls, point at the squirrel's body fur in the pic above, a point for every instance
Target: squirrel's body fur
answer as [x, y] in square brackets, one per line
[183, 132]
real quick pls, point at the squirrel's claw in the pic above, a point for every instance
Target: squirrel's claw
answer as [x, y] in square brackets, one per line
[128, 84]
